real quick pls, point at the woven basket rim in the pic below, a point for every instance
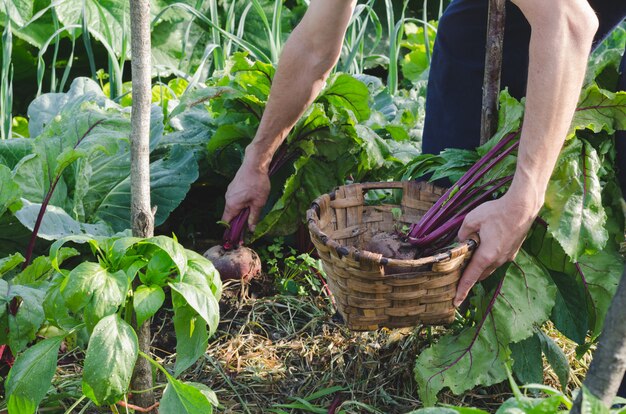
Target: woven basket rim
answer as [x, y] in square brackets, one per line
[313, 224]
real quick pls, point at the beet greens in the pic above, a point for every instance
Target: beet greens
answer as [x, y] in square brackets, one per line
[439, 226]
[568, 267]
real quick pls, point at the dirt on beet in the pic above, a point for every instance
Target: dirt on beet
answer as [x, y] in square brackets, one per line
[392, 245]
[241, 263]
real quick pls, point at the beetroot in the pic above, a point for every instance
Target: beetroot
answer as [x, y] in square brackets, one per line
[240, 263]
[233, 260]
[391, 245]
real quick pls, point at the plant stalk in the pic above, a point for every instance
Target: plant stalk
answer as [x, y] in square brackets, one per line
[493, 69]
[142, 217]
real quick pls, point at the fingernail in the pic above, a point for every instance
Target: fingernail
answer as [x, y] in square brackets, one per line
[456, 303]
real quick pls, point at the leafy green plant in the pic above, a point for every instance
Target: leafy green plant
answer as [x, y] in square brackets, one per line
[567, 270]
[6, 87]
[553, 402]
[71, 176]
[418, 42]
[350, 131]
[293, 273]
[98, 297]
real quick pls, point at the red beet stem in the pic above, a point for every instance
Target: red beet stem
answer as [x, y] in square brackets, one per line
[233, 236]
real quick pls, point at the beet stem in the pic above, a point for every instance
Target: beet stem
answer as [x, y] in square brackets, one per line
[233, 236]
[443, 212]
[415, 228]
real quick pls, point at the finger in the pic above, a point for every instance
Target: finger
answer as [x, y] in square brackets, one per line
[472, 274]
[488, 272]
[253, 218]
[229, 213]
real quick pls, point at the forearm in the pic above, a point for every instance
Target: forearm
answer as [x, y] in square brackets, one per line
[559, 48]
[307, 59]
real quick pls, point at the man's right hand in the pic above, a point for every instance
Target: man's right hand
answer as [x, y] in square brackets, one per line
[306, 61]
[250, 188]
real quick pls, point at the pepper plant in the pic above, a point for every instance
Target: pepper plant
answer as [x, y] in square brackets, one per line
[124, 278]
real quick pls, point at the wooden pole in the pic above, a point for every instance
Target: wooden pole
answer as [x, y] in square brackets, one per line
[609, 359]
[142, 218]
[493, 69]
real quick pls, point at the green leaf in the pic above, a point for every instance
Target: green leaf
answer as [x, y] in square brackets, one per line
[12, 151]
[55, 309]
[460, 362]
[66, 158]
[345, 91]
[11, 262]
[201, 267]
[147, 300]
[521, 405]
[86, 136]
[570, 314]
[170, 180]
[109, 20]
[23, 11]
[93, 288]
[602, 273]
[159, 268]
[4, 298]
[183, 398]
[573, 204]
[229, 134]
[207, 392]
[174, 250]
[9, 190]
[56, 223]
[599, 110]
[24, 325]
[598, 275]
[591, 404]
[477, 355]
[197, 293]
[31, 375]
[526, 299]
[191, 337]
[39, 269]
[374, 149]
[109, 361]
[556, 358]
[528, 365]
[448, 410]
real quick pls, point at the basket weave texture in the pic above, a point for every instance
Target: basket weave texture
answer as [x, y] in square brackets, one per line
[372, 291]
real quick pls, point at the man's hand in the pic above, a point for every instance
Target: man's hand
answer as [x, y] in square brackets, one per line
[306, 61]
[502, 226]
[562, 32]
[250, 188]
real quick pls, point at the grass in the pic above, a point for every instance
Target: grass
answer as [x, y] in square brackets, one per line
[288, 354]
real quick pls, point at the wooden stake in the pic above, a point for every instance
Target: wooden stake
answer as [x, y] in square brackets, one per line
[493, 69]
[142, 218]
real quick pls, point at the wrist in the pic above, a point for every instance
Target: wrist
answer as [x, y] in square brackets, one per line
[257, 159]
[527, 194]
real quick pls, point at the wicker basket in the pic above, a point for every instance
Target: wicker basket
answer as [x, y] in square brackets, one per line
[372, 291]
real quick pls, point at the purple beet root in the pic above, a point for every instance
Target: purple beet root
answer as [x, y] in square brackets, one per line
[240, 263]
[392, 246]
